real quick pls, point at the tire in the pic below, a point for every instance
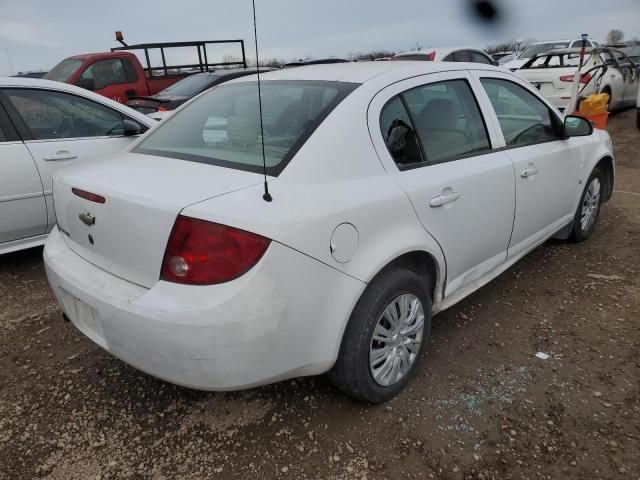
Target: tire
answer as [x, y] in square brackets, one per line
[353, 372]
[590, 201]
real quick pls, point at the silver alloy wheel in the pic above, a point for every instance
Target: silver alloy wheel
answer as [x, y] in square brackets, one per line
[396, 339]
[590, 204]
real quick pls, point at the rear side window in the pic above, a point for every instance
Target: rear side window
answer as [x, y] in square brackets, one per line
[399, 134]
[223, 126]
[49, 115]
[3, 137]
[523, 117]
[446, 119]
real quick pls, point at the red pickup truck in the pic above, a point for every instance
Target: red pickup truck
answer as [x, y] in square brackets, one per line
[119, 75]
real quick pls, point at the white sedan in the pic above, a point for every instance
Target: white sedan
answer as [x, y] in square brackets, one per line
[552, 74]
[45, 126]
[396, 189]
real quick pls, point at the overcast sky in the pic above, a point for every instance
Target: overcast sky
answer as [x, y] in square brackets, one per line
[37, 34]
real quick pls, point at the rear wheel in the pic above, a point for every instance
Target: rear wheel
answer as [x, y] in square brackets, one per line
[588, 211]
[384, 337]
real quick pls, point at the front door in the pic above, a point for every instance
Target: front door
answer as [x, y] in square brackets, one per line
[439, 149]
[545, 164]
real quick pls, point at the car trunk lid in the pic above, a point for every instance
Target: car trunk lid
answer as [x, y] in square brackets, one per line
[143, 194]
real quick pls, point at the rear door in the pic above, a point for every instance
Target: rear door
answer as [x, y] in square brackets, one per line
[546, 166]
[430, 134]
[22, 208]
[59, 128]
[113, 78]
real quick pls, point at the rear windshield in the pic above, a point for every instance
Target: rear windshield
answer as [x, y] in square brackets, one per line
[222, 127]
[190, 86]
[415, 56]
[532, 50]
[63, 71]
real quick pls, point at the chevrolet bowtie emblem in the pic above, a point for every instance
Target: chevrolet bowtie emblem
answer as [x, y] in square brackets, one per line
[87, 218]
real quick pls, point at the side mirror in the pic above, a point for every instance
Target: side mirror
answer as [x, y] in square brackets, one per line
[495, 63]
[131, 128]
[86, 83]
[575, 126]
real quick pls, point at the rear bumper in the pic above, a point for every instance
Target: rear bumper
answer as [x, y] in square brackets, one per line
[283, 319]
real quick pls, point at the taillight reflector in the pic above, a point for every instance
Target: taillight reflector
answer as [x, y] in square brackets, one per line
[569, 78]
[205, 253]
[162, 109]
[92, 197]
[431, 56]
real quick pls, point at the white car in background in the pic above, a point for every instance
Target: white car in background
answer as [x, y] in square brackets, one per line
[542, 47]
[397, 189]
[45, 126]
[473, 55]
[552, 74]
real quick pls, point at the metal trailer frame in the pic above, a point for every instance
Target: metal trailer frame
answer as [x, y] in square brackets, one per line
[203, 65]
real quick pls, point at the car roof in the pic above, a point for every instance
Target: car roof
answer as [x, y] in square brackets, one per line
[65, 87]
[564, 51]
[361, 72]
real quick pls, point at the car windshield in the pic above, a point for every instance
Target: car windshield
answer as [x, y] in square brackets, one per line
[633, 53]
[190, 86]
[223, 126]
[537, 48]
[63, 71]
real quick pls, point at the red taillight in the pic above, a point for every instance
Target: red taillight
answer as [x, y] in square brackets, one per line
[431, 56]
[204, 253]
[92, 197]
[162, 109]
[569, 78]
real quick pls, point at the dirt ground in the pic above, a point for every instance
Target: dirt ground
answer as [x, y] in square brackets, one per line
[481, 405]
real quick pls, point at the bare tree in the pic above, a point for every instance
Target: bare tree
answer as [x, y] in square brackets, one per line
[615, 36]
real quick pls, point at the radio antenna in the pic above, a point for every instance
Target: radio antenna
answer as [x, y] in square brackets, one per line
[266, 196]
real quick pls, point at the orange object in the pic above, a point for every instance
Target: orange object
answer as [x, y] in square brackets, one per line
[599, 120]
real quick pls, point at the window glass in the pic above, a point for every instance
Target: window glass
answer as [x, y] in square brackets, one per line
[191, 86]
[477, 57]
[523, 117]
[398, 133]
[537, 48]
[60, 115]
[223, 126]
[449, 58]
[461, 56]
[130, 70]
[109, 71]
[3, 137]
[448, 120]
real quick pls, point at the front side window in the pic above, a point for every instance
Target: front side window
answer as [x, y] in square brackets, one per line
[223, 126]
[49, 115]
[446, 119]
[523, 117]
[3, 137]
[105, 72]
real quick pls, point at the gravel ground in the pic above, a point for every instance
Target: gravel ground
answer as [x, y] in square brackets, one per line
[480, 406]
